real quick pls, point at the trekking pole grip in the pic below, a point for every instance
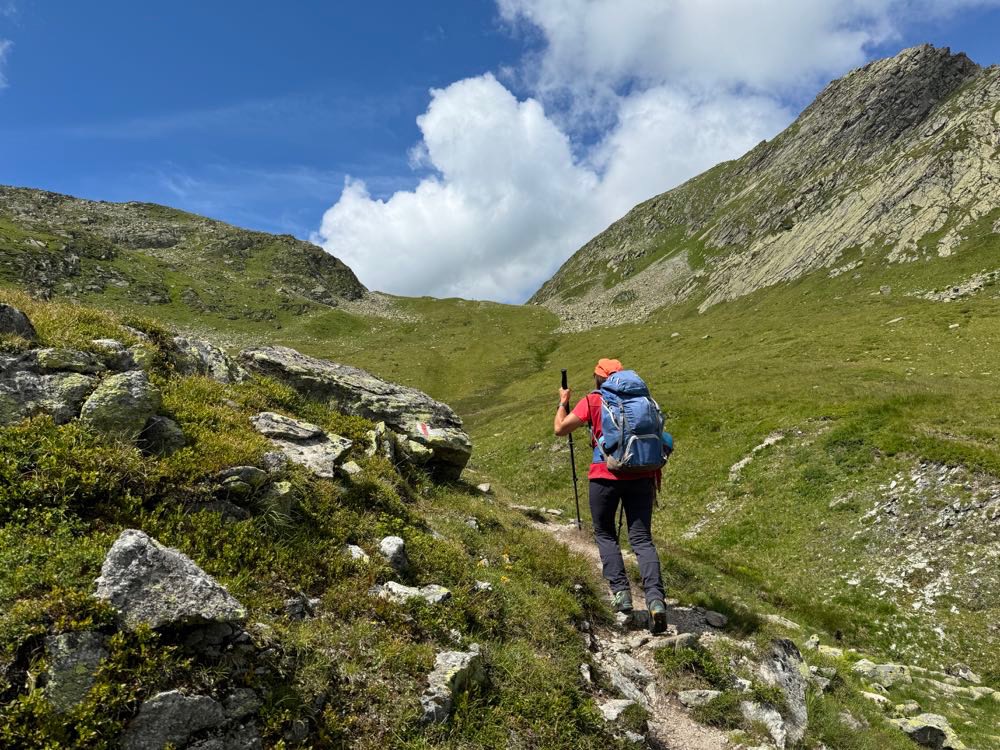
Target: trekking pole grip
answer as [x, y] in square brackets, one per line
[564, 381]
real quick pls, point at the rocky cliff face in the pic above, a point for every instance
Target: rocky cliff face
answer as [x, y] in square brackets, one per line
[895, 162]
[145, 254]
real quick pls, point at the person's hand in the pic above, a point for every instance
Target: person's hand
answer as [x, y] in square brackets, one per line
[564, 395]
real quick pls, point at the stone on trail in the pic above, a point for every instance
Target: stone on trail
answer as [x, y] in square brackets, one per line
[171, 718]
[406, 411]
[716, 619]
[695, 698]
[13, 322]
[121, 405]
[158, 586]
[454, 672]
[613, 709]
[73, 661]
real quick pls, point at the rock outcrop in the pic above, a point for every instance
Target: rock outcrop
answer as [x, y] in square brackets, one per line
[303, 443]
[454, 672]
[158, 586]
[196, 357]
[169, 719]
[121, 405]
[410, 413]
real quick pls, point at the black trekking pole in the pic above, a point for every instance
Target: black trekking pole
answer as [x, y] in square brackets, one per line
[572, 463]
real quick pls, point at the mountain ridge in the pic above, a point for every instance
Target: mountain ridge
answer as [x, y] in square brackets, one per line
[896, 160]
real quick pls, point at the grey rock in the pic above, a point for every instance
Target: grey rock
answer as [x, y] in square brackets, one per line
[393, 549]
[716, 619]
[356, 553]
[16, 323]
[681, 640]
[406, 411]
[381, 442]
[613, 709]
[351, 469]
[930, 730]
[963, 672]
[783, 668]
[65, 360]
[300, 607]
[482, 587]
[695, 698]
[486, 488]
[907, 708]
[73, 659]
[273, 425]
[848, 720]
[114, 355]
[633, 669]
[400, 593]
[121, 405]
[26, 394]
[196, 357]
[303, 443]
[161, 436]
[241, 482]
[239, 738]
[472, 523]
[769, 718]
[455, 672]
[885, 675]
[274, 462]
[171, 718]
[240, 703]
[159, 586]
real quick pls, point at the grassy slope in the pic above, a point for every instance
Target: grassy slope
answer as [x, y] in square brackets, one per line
[817, 356]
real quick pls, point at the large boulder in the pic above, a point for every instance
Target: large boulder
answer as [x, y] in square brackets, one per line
[13, 322]
[303, 443]
[930, 730]
[169, 719]
[161, 587]
[454, 672]
[783, 668]
[121, 405]
[24, 393]
[407, 411]
[196, 357]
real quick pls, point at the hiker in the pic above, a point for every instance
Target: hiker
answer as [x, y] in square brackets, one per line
[634, 489]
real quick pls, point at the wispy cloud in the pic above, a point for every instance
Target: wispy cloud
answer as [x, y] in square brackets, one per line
[5, 47]
[292, 114]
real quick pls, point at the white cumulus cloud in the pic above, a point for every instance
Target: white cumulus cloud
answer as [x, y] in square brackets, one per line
[626, 99]
[5, 45]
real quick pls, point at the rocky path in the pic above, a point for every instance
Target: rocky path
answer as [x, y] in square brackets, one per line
[625, 657]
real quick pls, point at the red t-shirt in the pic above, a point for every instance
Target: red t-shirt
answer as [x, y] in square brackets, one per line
[591, 407]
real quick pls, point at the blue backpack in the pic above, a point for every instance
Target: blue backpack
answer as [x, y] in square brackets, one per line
[632, 437]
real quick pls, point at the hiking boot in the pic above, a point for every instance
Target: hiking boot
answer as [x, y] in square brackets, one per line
[621, 601]
[657, 616]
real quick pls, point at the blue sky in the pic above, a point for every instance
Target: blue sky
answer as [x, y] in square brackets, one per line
[546, 116]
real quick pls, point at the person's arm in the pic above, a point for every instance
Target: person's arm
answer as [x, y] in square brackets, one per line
[565, 421]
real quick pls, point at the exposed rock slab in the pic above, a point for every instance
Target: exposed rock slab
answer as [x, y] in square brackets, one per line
[171, 718]
[26, 394]
[783, 667]
[400, 593]
[407, 411]
[159, 586]
[303, 443]
[73, 661]
[454, 672]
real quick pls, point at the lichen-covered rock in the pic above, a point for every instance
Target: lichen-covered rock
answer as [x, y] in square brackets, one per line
[158, 586]
[171, 718]
[393, 549]
[278, 426]
[26, 394]
[65, 360]
[885, 675]
[73, 659]
[196, 357]
[400, 593]
[695, 698]
[406, 411]
[613, 709]
[755, 713]
[121, 405]
[454, 672]
[13, 322]
[783, 668]
[303, 443]
[930, 730]
[241, 481]
[114, 354]
[245, 737]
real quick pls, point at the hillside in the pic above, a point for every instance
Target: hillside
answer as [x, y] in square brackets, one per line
[895, 163]
[178, 264]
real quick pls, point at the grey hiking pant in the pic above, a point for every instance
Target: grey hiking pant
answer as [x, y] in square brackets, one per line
[637, 496]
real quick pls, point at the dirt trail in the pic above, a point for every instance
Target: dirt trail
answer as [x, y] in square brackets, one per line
[626, 657]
